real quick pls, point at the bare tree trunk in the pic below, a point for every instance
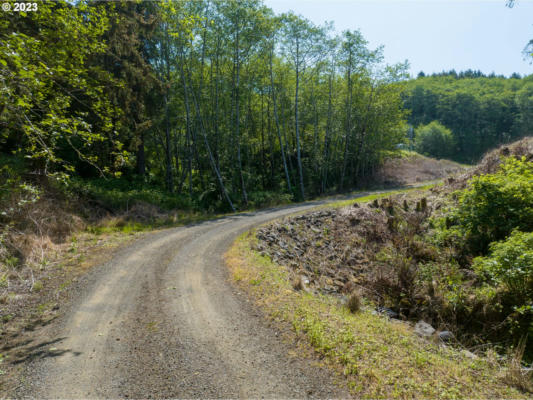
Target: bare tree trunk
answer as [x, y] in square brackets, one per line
[276, 118]
[270, 146]
[296, 127]
[187, 121]
[348, 127]
[263, 158]
[325, 164]
[363, 132]
[168, 158]
[237, 120]
[206, 142]
[141, 156]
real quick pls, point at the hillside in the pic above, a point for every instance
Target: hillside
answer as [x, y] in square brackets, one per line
[409, 168]
[482, 112]
[412, 257]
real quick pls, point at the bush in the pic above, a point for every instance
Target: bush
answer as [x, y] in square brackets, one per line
[508, 270]
[510, 263]
[434, 140]
[121, 194]
[267, 198]
[494, 206]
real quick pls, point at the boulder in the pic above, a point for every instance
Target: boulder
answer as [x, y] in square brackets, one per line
[424, 329]
[388, 312]
[446, 336]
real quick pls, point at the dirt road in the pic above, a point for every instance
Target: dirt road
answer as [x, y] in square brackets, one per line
[162, 319]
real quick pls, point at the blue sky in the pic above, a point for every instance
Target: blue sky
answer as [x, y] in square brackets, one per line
[434, 35]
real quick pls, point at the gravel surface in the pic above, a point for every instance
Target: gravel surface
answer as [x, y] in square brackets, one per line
[162, 320]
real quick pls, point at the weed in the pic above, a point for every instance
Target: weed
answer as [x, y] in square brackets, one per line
[354, 302]
[297, 283]
[516, 374]
[37, 286]
[2, 357]
[152, 326]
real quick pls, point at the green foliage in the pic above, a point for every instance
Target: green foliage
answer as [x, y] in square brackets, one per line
[49, 89]
[434, 140]
[482, 112]
[267, 199]
[508, 275]
[194, 97]
[510, 263]
[15, 192]
[120, 194]
[491, 219]
[493, 206]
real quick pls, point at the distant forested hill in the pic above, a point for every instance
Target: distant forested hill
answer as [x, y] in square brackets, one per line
[481, 111]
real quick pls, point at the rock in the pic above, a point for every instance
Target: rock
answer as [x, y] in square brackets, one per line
[446, 336]
[388, 312]
[338, 283]
[424, 329]
[301, 283]
[328, 289]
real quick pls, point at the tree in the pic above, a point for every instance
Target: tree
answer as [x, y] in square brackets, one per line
[218, 100]
[53, 103]
[434, 140]
[354, 60]
[301, 43]
[127, 59]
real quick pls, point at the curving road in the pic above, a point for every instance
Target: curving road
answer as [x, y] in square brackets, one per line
[163, 320]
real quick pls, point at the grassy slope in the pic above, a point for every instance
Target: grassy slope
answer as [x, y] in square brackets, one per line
[380, 358]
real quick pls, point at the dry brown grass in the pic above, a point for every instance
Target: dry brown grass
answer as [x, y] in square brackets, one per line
[516, 374]
[414, 168]
[354, 302]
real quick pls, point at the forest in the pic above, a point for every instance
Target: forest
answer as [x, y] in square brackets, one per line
[222, 105]
[219, 102]
[482, 112]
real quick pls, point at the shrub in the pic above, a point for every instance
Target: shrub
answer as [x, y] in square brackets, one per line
[434, 140]
[120, 194]
[510, 263]
[493, 206]
[267, 198]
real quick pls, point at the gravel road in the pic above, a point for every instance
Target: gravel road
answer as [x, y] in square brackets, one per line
[163, 320]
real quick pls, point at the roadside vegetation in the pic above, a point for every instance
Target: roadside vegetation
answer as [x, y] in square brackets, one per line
[379, 358]
[457, 257]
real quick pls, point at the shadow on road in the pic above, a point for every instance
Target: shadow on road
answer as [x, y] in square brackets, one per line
[39, 351]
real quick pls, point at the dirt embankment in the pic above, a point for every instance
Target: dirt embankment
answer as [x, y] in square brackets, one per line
[413, 168]
[336, 251]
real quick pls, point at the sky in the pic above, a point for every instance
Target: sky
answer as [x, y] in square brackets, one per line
[433, 35]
